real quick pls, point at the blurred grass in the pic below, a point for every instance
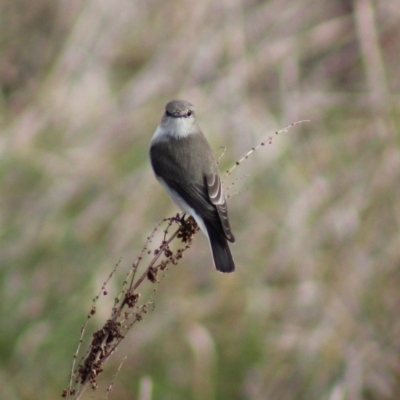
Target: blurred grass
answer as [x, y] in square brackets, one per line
[311, 312]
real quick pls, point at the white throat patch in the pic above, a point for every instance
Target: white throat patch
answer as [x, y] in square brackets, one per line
[176, 128]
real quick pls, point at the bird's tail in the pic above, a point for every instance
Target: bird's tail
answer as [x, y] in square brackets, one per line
[222, 255]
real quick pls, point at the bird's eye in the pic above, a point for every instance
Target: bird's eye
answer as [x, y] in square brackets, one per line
[189, 113]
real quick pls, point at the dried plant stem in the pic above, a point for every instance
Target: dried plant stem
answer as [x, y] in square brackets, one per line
[72, 375]
[160, 251]
[106, 340]
[246, 156]
[156, 257]
[110, 386]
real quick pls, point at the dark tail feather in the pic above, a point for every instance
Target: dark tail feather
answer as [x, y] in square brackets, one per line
[222, 255]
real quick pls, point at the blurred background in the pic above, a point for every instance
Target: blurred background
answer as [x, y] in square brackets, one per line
[312, 311]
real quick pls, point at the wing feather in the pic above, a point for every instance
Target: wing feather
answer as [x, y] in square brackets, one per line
[216, 196]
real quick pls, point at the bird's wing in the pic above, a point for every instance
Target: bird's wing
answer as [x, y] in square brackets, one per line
[197, 198]
[216, 196]
[206, 197]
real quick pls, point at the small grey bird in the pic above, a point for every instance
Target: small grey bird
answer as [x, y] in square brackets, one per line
[185, 165]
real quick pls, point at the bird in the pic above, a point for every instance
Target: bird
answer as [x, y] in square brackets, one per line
[185, 165]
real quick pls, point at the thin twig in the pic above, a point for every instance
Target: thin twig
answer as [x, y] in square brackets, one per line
[103, 287]
[246, 156]
[110, 386]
